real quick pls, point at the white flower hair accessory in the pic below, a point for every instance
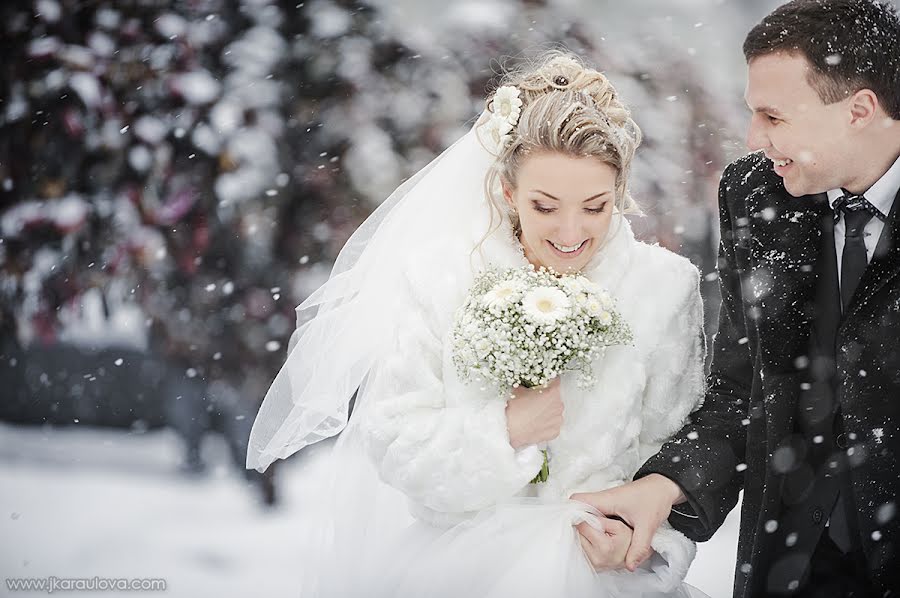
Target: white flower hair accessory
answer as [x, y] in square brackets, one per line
[506, 107]
[496, 135]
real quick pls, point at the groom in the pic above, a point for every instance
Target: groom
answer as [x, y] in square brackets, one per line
[802, 410]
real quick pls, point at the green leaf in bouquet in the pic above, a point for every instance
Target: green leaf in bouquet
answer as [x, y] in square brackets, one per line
[544, 473]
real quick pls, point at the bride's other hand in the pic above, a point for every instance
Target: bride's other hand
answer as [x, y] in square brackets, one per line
[643, 504]
[535, 415]
[605, 549]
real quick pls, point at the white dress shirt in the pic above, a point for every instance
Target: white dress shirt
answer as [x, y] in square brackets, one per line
[881, 195]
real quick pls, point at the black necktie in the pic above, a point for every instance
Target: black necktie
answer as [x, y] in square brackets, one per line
[857, 211]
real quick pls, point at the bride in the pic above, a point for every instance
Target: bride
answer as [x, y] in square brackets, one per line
[428, 491]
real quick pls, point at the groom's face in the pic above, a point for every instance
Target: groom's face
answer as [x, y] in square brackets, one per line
[807, 141]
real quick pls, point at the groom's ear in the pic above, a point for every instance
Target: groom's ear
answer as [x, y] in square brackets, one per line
[863, 108]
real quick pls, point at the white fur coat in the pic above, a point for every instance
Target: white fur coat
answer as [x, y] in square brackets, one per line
[444, 443]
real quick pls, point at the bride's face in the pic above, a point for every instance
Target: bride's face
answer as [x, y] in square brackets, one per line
[565, 206]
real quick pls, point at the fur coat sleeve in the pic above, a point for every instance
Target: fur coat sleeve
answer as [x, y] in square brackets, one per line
[675, 380]
[675, 389]
[445, 446]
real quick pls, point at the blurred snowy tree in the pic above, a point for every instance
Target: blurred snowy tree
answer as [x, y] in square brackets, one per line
[185, 172]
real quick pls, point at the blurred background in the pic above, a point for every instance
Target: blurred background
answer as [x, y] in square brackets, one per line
[176, 176]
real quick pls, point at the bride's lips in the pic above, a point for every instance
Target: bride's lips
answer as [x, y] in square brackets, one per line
[563, 254]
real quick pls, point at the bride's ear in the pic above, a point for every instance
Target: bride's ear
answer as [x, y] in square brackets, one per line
[508, 191]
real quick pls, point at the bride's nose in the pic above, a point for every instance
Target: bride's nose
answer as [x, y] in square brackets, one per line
[570, 230]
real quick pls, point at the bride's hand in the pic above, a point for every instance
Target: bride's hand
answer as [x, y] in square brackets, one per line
[644, 504]
[605, 550]
[534, 415]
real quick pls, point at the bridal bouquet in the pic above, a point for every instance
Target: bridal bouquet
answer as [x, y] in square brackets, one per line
[524, 327]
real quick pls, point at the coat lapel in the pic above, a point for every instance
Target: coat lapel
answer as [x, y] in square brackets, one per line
[885, 264]
[785, 268]
[786, 253]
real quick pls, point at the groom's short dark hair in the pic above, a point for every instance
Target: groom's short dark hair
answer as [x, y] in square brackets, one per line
[851, 45]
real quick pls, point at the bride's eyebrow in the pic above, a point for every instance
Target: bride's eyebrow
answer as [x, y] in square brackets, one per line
[591, 198]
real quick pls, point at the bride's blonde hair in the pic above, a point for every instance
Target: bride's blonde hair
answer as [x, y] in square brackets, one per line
[570, 109]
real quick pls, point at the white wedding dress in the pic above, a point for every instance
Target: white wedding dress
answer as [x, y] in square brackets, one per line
[480, 529]
[425, 497]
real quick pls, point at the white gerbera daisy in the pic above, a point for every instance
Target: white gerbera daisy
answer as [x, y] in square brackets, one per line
[502, 294]
[507, 105]
[545, 305]
[605, 299]
[593, 307]
[580, 284]
[571, 284]
[497, 135]
[605, 318]
[590, 287]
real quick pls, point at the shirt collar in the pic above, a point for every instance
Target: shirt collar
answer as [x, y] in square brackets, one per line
[881, 194]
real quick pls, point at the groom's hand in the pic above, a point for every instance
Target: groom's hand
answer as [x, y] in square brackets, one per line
[605, 549]
[643, 504]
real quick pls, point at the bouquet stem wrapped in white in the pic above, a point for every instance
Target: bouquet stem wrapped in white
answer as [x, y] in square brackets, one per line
[525, 326]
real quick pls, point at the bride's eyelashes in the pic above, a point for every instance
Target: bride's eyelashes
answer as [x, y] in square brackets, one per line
[542, 209]
[538, 207]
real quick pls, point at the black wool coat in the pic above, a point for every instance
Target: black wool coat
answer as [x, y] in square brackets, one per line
[743, 437]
